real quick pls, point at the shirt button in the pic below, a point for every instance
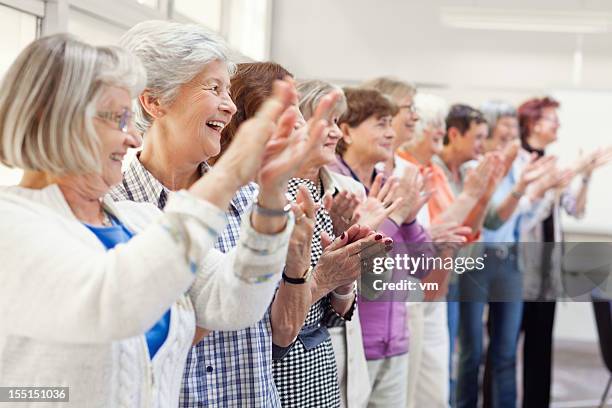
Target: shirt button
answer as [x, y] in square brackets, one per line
[209, 369]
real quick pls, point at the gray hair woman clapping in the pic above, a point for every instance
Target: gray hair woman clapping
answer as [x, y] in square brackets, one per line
[93, 291]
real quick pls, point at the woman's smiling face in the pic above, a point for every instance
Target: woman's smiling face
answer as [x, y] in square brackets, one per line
[200, 111]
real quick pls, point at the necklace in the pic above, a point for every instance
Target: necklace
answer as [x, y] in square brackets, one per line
[106, 221]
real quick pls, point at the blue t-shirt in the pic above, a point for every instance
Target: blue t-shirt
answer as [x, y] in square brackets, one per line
[117, 234]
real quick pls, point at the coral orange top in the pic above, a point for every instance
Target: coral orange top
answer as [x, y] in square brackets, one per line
[442, 196]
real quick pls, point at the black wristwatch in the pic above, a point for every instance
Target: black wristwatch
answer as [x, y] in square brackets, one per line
[298, 281]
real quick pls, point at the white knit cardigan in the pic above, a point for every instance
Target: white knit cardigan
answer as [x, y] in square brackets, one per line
[74, 314]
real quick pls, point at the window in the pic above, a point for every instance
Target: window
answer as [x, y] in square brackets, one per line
[205, 12]
[93, 30]
[21, 28]
[249, 30]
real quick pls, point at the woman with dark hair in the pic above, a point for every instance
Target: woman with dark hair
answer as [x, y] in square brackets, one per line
[367, 139]
[304, 365]
[540, 264]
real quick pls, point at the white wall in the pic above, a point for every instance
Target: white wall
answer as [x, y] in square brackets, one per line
[348, 41]
[351, 40]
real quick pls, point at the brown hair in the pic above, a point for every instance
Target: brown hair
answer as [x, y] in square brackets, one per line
[461, 117]
[363, 104]
[531, 111]
[250, 86]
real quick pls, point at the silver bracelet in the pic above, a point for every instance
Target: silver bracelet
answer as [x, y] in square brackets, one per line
[271, 212]
[347, 296]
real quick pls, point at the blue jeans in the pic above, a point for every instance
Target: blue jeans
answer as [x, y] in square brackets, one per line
[501, 280]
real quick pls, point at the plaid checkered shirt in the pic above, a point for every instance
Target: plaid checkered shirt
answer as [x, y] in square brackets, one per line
[225, 369]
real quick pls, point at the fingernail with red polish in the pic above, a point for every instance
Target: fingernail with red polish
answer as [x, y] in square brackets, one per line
[378, 237]
[342, 236]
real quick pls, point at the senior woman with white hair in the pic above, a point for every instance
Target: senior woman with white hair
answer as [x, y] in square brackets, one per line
[85, 281]
[304, 367]
[428, 368]
[182, 111]
[349, 205]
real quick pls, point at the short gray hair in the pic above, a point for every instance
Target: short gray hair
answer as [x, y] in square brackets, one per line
[172, 54]
[311, 92]
[495, 110]
[392, 87]
[48, 100]
[432, 110]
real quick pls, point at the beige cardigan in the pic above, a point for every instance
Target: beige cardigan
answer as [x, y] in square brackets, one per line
[74, 314]
[347, 341]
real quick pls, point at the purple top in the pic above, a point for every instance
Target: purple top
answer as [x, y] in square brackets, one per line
[384, 322]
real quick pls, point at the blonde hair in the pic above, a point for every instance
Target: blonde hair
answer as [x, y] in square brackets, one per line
[48, 100]
[311, 92]
[392, 87]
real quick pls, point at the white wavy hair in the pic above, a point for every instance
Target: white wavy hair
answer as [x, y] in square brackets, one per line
[432, 111]
[172, 54]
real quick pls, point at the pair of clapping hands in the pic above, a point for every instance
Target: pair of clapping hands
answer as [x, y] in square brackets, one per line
[267, 149]
[399, 198]
[340, 264]
[543, 174]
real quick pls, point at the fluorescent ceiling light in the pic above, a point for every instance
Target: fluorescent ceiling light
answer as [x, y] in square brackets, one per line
[552, 21]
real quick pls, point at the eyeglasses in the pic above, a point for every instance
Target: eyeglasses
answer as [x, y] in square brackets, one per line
[411, 108]
[122, 119]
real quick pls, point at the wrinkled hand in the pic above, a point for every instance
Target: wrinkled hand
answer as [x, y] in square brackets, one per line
[341, 209]
[592, 161]
[245, 154]
[451, 232]
[535, 169]
[498, 171]
[340, 263]
[380, 203]
[476, 179]
[415, 192]
[288, 149]
[563, 178]
[544, 179]
[509, 154]
[298, 254]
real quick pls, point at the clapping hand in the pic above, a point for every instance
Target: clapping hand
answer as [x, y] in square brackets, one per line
[415, 191]
[451, 232]
[341, 209]
[340, 263]
[299, 252]
[289, 148]
[380, 203]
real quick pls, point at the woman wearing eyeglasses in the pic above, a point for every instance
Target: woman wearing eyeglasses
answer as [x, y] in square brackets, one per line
[540, 264]
[95, 295]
